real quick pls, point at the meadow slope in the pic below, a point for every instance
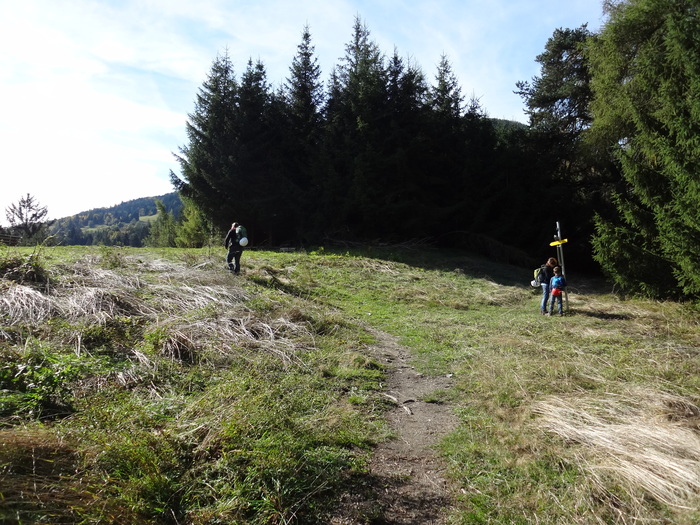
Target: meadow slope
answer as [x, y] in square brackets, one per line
[388, 385]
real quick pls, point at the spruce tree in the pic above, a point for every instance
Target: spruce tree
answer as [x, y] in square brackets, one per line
[574, 176]
[207, 161]
[646, 80]
[26, 216]
[193, 229]
[162, 231]
[361, 123]
[445, 96]
[405, 149]
[330, 176]
[304, 99]
[304, 94]
[259, 180]
[444, 182]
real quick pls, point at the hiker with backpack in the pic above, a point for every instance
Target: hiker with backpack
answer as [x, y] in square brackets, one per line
[557, 285]
[544, 277]
[236, 240]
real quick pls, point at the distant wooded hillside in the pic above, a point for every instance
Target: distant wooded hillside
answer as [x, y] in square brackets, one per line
[125, 224]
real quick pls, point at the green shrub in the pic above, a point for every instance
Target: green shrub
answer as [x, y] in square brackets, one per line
[14, 266]
[36, 383]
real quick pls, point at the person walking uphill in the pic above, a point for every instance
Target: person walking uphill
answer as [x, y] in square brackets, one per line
[236, 240]
[557, 285]
[548, 274]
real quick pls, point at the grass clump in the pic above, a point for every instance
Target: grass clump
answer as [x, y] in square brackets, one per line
[21, 267]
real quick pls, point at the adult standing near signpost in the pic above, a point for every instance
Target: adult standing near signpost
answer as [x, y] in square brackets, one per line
[548, 271]
[236, 240]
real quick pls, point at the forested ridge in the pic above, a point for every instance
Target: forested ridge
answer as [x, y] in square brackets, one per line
[124, 224]
[380, 152]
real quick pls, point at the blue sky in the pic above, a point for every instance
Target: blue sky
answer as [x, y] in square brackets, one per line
[94, 94]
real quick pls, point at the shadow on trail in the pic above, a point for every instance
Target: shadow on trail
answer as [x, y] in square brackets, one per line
[388, 500]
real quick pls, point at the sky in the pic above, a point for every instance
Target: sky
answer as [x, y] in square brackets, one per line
[95, 94]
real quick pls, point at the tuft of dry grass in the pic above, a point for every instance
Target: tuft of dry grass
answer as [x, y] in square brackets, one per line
[647, 441]
[24, 304]
[173, 298]
[224, 338]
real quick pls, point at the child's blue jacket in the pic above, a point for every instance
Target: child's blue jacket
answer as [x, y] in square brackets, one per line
[557, 281]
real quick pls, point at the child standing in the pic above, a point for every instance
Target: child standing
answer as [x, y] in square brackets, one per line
[557, 285]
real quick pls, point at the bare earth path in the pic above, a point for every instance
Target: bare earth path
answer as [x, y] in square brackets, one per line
[407, 478]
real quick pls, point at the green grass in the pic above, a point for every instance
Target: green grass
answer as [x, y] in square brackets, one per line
[176, 393]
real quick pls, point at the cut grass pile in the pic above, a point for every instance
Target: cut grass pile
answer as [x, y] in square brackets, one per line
[151, 386]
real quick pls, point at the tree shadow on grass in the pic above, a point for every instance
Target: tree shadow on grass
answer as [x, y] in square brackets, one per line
[604, 315]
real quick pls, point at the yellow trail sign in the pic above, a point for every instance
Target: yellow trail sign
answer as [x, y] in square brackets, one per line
[557, 243]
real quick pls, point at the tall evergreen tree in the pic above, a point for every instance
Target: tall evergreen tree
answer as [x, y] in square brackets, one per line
[304, 91]
[193, 229]
[26, 216]
[405, 149]
[444, 182]
[207, 162]
[484, 195]
[572, 175]
[259, 183]
[646, 80]
[445, 96]
[559, 99]
[162, 232]
[304, 99]
[330, 177]
[363, 121]
[231, 168]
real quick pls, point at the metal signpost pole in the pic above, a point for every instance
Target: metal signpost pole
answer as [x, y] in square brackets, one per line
[559, 243]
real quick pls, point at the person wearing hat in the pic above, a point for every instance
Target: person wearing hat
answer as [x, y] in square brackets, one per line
[236, 240]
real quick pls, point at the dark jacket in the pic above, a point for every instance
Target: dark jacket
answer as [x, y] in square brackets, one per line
[548, 274]
[233, 237]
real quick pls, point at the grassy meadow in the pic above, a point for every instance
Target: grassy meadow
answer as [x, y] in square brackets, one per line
[151, 386]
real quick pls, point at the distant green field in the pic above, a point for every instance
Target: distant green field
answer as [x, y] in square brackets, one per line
[148, 218]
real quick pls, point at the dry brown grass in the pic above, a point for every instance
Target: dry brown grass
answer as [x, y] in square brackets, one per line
[646, 441]
[226, 338]
[95, 295]
[24, 304]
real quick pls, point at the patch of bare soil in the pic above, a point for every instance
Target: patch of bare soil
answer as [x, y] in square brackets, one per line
[407, 482]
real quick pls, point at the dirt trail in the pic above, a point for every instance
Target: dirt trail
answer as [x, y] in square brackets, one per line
[407, 478]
